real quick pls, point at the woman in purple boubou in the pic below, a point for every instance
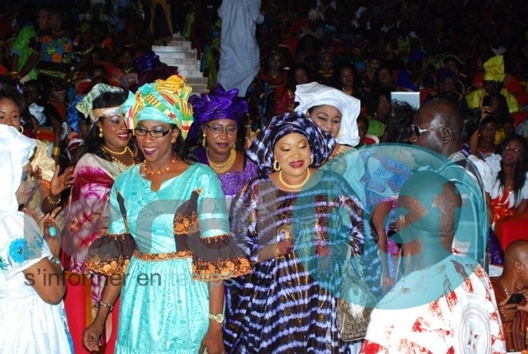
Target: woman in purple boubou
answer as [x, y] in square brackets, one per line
[218, 140]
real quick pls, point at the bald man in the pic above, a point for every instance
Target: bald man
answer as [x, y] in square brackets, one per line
[444, 303]
[513, 280]
[438, 126]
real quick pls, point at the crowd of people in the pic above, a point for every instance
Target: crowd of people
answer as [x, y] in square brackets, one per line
[230, 221]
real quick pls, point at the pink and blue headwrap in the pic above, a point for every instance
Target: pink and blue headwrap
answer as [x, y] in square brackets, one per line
[261, 151]
[217, 104]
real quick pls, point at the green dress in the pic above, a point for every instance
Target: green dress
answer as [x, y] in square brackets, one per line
[182, 240]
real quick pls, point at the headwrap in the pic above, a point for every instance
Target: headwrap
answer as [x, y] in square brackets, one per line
[315, 94]
[85, 105]
[164, 101]
[261, 151]
[73, 115]
[494, 69]
[38, 112]
[218, 104]
[147, 61]
[15, 151]
[449, 57]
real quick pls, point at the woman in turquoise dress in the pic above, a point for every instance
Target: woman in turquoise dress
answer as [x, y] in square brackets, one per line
[168, 246]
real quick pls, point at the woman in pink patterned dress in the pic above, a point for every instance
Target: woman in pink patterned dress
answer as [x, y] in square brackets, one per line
[106, 154]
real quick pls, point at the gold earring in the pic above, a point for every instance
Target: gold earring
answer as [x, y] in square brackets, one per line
[276, 165]
[311, 160]
[173, 140]
[21, 129]
[204, 140]
[100, 133]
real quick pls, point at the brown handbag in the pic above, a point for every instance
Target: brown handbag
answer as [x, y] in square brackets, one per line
[355, 302]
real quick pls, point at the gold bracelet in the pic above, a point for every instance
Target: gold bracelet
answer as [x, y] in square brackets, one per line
[56, 151]
[51, 201]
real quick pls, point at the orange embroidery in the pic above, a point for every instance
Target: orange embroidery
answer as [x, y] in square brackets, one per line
[184, 225]
[162, 256]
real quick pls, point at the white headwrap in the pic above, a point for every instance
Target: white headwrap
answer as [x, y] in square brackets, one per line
[315, 94]
[15, 151]
[38, 112]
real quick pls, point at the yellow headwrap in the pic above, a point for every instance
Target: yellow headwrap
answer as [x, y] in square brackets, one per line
[165, 101]
[494, 69]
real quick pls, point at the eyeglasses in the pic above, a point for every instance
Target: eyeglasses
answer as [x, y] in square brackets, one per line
[153, 133]
[26, 176]
[514, 149]
[218, 129]
[416, 130]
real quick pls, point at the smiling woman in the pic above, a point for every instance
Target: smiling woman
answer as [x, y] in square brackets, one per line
[104, 155]
[332, 110]
[217, 140]
[295, 223]
[170, 220]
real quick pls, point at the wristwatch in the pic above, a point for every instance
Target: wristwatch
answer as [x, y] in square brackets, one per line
[219, 318]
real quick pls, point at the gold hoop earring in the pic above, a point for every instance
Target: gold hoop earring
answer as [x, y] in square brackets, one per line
[21, 129]
[173, 140]
[276, 165]
[100, 133]
[311, 160]
[204, 140]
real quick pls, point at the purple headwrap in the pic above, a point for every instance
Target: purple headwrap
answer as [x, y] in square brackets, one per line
[217, 104]
[147, 61]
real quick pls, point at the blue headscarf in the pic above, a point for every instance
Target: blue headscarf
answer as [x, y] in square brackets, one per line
[261, 151]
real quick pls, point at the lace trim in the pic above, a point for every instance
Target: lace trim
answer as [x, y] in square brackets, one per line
[115, 266]
[219, 270]
[110, 254]
[162, 256]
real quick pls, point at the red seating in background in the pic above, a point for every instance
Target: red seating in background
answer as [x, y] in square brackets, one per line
[512, 228]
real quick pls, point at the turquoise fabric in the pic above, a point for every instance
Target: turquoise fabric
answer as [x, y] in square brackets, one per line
[163, 310]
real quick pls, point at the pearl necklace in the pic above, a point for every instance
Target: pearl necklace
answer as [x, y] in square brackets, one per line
[294, 186]
[220, 168]
[158, 172]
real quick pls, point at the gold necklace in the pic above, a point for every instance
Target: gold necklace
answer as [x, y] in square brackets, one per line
[115, 159]
[120, 163]
[220, 168]
[158, 172]
[112, 152]
[294, 186]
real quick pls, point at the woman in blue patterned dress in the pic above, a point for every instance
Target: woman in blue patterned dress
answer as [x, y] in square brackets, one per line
[295, 223]
[169, 214]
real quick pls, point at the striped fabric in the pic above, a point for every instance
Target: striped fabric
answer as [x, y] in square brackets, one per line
[288, 304]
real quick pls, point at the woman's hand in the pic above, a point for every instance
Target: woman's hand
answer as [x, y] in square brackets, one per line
[61, 182]
[50, 230]
[249, 139]
[485, 111]
[213, 342]
[284, 247]
[92, 335]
